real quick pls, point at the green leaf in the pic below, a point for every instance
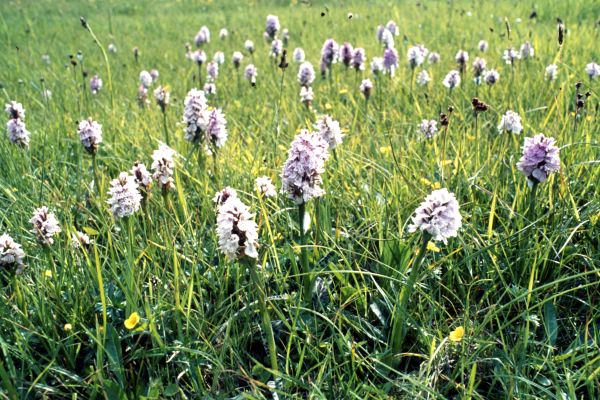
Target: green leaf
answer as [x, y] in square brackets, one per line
[550, 322]
[171, 390]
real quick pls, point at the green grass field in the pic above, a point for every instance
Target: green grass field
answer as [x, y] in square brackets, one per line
[522, 277]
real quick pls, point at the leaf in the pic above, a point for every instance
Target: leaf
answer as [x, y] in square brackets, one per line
[171, 390]
[550, 322]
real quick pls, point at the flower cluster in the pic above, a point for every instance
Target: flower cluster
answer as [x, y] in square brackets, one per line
[250, 74]
[202, 37]
[236, 229]
[329, 54]
[141, 175]
[366, 86]
[272, 26]
[15, 127]
[162, 166]
[90, 134]
[346, 53]
[265, 186]
[329, 130]
[390, 61]
[11, 253]
[302, 171]
[540, 158]
[511, 122]
[452, 79]
[95, 84]
[306, 74]
[358, 59]
[438, 215]
[416, 55]
[428, 128]
[298, 55]
[125, 197]
[162, 97]
[45, 225]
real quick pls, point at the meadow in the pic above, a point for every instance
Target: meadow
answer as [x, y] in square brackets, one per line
[422, 242]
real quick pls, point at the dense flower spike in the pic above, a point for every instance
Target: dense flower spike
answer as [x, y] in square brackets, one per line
[593, 70]
[387, 38]
[358, 59]
[452, 79]
[141, 175]
[491, 77]
[433, 58]
[210, 88]
[90, 134]
[11, 254]
[216, 128]
[162, 97]
[124, 196]
[390, 61]
[202, 37]
[483, 46]
[199, 57]
[416, 55]
[479, 66]
[298, 55]
[142, 96]
[95, 84]
[329, 54]
[222, 196]
[438, 215]
[219, 57]
[250, 74]
[276, 48]
[306, 96]
[272, 26]
[511, 122]
[236, 59]
[392, 27]
[112, 48]
[366, 87]
[194, 116]
[551, 72]
[80, 240]
[461, 59]
[423, 78]
[302, 171]
[540, 158]
[212, 69]
[45, 225]
[377, 65]
[146, 79]
[527, 50]
[346, 53]
[15, 110]
[510, 56]
[154, 74]
[162, 166]
[223, 33]
[428, 128]
[329, 129]
[17, 132]
[306, 74]
[265, 187]
[249, 46]
[236, 229]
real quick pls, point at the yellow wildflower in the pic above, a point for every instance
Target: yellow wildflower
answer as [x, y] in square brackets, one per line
[457, 334]
[48, 274]
[132, 321]
[68, 327]
[432, 247]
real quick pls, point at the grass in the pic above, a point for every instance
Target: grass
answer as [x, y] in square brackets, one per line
[522, 280]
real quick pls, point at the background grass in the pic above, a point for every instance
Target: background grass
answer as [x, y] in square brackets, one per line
[525, 285]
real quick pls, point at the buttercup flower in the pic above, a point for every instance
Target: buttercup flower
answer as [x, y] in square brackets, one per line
[45, 225]
[540, 158]
[457, 335]
[132, 321]
[438, 215]
[302, 171]
[125, 197]
[236, 229]
[90, 134]
[511, 122]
